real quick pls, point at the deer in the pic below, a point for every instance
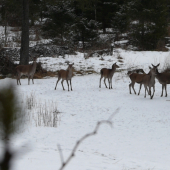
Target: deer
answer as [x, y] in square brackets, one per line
[65, 75]
[28, 70]
[136, 78]
[149, 81]
[163, 78]
[108, 73]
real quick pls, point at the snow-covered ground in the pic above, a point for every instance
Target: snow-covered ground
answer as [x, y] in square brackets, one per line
[138, 140]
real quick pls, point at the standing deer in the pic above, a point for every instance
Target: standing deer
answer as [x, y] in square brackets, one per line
[108, 73]
[149, 81]
[163, 78]
[135, 77]
[65, 75]
[28, 70]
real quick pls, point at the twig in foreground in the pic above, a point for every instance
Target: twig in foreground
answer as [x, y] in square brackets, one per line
[108, 121]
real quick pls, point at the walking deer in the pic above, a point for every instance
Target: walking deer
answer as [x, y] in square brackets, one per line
[135, 78]
[28, 70]
[163, 78]
[108, 73]
[65, 75]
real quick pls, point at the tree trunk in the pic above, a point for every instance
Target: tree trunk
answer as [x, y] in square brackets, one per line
[24, 52]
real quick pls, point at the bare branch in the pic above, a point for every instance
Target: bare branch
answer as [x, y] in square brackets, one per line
[108, 121]
[61, 154]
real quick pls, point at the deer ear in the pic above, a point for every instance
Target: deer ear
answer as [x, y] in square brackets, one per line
[158, 65]
[152, 65]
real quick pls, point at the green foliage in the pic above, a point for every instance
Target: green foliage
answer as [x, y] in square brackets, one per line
[10, 12]
[10, 121]
[9, 112]
[85, 31]
[148, 23]
[59, 21]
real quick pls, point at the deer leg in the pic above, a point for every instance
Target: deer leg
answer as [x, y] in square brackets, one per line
[162, 90]
[71, 85]
[153, 92]
[18, 79]
[165, 90]
[133, 87]
[105, 82]
[67, 84]
[62, 84]
[100, 81]
[130, 88]
[145, 90]
[28, 79]
[32, 79]
[109, 83]
[140, 88]
[57, 83]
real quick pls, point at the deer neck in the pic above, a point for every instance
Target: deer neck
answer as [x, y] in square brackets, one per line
[152, 77]
[157, 74]
[69, 73]
[34, 66]
[113, 70]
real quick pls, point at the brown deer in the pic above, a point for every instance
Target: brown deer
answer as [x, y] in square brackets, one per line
[136, 78]
[163, 78]
[149, 81]
[108, 73]
[28, 70]
[65, 75]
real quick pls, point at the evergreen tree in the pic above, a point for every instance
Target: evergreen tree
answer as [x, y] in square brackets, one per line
[148, 23]
[85, 31]
[59, 21]
[120, 20]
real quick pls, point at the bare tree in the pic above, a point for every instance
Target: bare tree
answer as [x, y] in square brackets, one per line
[94, 132]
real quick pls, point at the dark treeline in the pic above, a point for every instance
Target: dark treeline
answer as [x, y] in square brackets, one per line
[67, 22]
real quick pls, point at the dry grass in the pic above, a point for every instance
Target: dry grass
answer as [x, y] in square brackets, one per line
[40, 75]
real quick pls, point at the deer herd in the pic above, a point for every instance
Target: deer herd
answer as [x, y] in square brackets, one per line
[136, 76]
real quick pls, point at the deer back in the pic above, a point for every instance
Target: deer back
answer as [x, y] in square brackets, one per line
[163, 78]
[27, 69]
[137, 77]
[66, 74]
[105, 72]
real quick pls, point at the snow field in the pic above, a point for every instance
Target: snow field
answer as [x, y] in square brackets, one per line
[138, 140]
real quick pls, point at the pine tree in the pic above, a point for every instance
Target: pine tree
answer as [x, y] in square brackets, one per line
[148, 23]
[60, 18]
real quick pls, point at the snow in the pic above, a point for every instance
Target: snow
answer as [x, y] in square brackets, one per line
[138, 140]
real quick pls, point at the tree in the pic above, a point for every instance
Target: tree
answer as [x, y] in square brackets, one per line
[10, 15]
[148, 23]
[58, 25]
[24, 52]
[85, 31]
[120, 20]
